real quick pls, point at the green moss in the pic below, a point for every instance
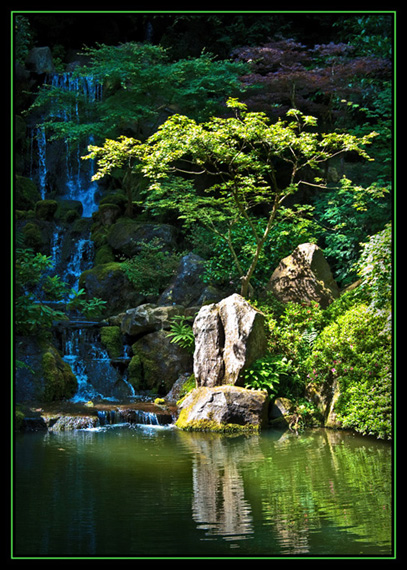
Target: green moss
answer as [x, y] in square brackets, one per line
[60, 382]
[112, 339]
[26, 193]
[46, 209]
[100, 272]
[188, 385]
[33, 236]
[19, 419]
[210, 425]
[135, 370]
[117, 199]
[98, 235]
[104, 255]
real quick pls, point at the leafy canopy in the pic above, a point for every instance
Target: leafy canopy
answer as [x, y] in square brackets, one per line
[240, 157]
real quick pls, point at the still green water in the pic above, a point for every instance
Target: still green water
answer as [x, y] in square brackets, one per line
[157, 491]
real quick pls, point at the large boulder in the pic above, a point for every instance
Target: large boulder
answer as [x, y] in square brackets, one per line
[157, 363]
[39, 60]
[303, 277]
[127, 236]
[149, 318]
[188, 287]
[224, 409]
[109, 283]
[42, 374]
[229, 337]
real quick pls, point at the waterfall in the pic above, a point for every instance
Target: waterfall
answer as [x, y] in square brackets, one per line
[42, 160]
[81, 259]
[98, 379]
[62, 170]
[70, 254]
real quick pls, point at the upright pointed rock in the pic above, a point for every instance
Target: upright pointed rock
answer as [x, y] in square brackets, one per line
[229, 337]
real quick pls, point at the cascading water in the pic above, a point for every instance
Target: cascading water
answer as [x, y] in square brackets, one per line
[97, 378]
[81, 259]
[74, 178]
[70, 254]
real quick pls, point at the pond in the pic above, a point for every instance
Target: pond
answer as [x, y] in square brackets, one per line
[151, 491]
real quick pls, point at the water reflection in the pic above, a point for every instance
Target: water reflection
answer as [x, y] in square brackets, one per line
[177, 493]
[219, 506]
[293, 494]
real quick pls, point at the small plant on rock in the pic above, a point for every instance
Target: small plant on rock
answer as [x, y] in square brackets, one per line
[181, 333]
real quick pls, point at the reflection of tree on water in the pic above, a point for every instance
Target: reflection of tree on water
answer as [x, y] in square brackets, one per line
[286, 492]
[219, 505]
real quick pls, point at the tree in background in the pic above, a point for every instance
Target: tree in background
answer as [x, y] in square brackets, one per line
[247, 161]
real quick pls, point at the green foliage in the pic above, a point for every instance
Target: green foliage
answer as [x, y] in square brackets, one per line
[376, 271]
[265, 374]
[241, 154]
[355, 349]
[292, 227]
[141, 86]
[23, 39]
[151, 270]
[35, 288]
[348, 215]
[181, 333]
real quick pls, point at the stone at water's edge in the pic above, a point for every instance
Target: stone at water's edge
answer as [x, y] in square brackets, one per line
[229, 337]
[223, 409]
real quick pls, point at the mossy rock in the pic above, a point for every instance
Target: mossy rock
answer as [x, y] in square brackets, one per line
[117, 199]
[108, 214]
[60, 381]
[33, 236]
[26, 193]
[225, 409]
[157, 363]
[104, 254]
[109, 283]
[111, 338]
[68, 210]
[46, 209]
[135, 371]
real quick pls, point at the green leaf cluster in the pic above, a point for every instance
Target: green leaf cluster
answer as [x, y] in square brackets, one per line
[347, 215]
[141, 87]
[356, 350]
[181, 333]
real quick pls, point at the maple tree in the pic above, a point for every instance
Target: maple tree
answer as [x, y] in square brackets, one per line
[242, 155]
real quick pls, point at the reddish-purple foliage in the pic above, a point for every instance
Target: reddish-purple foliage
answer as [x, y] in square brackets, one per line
[287, 74]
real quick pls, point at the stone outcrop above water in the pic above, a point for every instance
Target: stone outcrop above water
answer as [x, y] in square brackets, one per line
[303, 277]
[149, 318]
[223, 409]
[42, 374]
[157, 363]
[229, 337]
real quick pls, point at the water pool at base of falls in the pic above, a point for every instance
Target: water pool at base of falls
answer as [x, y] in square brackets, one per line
[152, 491]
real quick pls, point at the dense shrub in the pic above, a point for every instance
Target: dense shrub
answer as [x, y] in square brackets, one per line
[356, 350]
